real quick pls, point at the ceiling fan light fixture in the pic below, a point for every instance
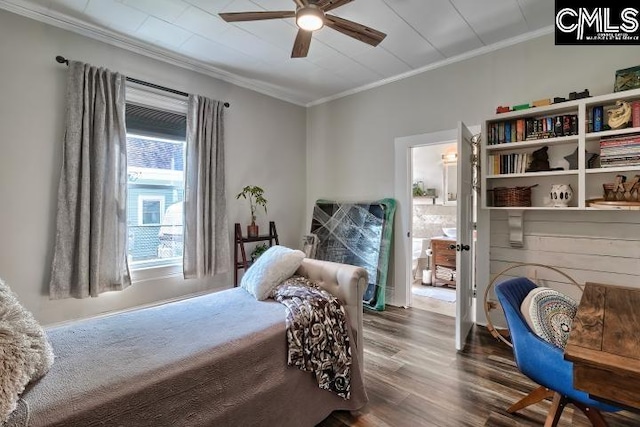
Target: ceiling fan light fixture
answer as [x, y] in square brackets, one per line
[310, 18]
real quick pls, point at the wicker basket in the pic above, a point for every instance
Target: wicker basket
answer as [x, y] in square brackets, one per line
[512, 196]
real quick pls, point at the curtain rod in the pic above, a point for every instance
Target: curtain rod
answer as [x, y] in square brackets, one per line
[63, 60]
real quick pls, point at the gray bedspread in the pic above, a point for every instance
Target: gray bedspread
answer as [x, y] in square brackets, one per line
[214, 360]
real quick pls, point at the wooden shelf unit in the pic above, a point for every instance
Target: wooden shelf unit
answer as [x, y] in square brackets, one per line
[239, 251]
[585, 183]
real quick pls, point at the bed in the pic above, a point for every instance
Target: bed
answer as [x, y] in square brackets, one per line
[215, 360]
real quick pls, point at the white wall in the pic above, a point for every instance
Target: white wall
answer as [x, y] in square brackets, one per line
[356, 133]
[265, 145]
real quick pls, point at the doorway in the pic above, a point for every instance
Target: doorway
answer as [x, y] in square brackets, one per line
[433, 229]
[464, 245]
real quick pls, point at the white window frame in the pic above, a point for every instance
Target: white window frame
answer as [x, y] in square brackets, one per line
[152, 198]
[167, 101]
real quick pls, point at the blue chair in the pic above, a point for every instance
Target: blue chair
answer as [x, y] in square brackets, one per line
[543, 362]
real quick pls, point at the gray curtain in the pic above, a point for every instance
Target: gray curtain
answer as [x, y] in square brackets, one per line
[206, 235]
[90, 253]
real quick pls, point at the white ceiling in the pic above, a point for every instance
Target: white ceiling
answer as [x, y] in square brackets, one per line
[421, 34]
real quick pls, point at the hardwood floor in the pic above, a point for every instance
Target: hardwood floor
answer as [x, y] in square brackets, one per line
[414, 377]
[432, 304]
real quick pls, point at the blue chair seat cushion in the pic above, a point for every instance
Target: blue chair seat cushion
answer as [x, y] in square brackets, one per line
[549, 314]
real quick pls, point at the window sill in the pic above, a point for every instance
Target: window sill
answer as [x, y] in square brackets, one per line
[144, 274]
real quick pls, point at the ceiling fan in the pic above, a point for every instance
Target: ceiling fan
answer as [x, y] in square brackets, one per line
[311, 15]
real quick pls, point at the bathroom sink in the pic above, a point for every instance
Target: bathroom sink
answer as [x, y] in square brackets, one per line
[449, 232]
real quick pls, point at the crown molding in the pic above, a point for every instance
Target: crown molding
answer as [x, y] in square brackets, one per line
[458, 58]
[44, 15]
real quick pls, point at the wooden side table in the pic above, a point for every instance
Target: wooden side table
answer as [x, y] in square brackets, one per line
[442, 255]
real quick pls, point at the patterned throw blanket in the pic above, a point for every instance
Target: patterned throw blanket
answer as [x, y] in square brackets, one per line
[317, 333]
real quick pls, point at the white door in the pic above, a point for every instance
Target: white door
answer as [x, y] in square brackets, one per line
[464, 241]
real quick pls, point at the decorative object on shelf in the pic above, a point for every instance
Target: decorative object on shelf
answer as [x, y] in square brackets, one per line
[521, 107]
[620, 116]
[255, 195]
[501, 109]
[512, 196]
[622, 190]
[418, 189]
[541, 102]
[627, 78]
[561, 195]
[258, 250]
[579, 95]
[590, 159]
[539, 160]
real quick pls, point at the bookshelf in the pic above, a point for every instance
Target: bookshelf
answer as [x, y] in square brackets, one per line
[506, 153]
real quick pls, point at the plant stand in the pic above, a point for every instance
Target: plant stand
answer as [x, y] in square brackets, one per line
[239, 252]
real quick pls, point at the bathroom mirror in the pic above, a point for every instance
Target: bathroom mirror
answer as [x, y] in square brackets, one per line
[450, 183]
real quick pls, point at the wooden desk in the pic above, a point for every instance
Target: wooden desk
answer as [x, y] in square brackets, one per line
[604, 344]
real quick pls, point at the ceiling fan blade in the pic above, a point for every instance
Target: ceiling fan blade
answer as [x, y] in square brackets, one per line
[328, 5]
[256, 16]
[355, 30]
[301, 45]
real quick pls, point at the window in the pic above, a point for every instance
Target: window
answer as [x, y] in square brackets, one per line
[150, 210]
[155, 167]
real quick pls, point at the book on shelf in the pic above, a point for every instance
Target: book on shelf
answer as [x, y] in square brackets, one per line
[621, 149]
[628, 139]
[520, 130]
[631, 160]
[532, 128]
[502, 164]
[597, 118]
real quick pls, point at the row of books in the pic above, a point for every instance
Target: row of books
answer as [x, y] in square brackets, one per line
[500, 164]
[620, 151]
[532, 128]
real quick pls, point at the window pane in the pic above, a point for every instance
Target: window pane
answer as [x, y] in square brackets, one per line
[150, 212]
[155, 196]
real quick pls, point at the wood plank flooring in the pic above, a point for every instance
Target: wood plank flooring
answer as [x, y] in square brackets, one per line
[414, 377]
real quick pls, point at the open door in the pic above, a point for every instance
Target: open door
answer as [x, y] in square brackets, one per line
[464, 241]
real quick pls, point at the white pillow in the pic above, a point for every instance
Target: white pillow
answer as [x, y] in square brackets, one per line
[275, 265]
[25, 352]
[549, 314]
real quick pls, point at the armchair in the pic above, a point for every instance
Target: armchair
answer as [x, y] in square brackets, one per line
[542, 361]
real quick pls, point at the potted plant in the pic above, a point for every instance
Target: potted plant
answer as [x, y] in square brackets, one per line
[258, 250]
[255, 195]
